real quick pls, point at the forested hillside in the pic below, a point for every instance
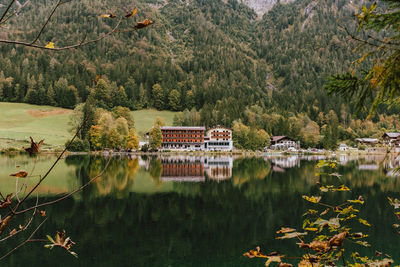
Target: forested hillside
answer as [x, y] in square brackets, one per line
[214, 56]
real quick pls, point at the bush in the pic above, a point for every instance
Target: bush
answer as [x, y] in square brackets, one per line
[144, 148]
[78, 145]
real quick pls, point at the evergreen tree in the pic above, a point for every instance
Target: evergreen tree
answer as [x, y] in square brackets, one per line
[118, 96]
[50, 95]
[174, 100]
[158, 96]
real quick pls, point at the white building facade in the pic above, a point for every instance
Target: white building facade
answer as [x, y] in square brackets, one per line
[218, 139]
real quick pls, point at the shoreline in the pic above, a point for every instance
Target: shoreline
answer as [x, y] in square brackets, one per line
[207, 153]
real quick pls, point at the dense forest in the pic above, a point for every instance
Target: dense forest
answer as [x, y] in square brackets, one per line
[211, 57]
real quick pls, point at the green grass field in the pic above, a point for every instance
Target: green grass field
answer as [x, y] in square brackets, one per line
[18, 121]
[144, 119]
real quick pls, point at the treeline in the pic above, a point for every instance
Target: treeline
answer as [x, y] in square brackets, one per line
[327, 131]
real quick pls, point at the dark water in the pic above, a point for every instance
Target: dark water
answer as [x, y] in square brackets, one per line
[191, 211]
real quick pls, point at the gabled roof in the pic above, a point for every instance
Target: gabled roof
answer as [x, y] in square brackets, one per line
[391, 135]
[279, 137]
[367, 140]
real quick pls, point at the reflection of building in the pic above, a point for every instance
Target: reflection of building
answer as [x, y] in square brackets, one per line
[343, 147]
[218, 168]
[368, 167]
[182, 169]
[219, 139]
[182, 138]
[281, 163]
[282, 142]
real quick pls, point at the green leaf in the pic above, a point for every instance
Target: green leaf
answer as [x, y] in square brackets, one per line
[348, 210]
[312, 199]
[310, 211]
[50, 239]
[356, 201]
[364, 222]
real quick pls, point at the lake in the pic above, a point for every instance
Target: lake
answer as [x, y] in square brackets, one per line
[191, 210]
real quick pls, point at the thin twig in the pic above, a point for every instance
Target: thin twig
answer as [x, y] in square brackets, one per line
[69, 194]
[356, 38]
[60, 2]
[26, 225]
[6, 11]
[15, 12]
[23, 243]
[65, 47]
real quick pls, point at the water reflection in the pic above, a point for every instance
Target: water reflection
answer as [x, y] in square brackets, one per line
[195, 211]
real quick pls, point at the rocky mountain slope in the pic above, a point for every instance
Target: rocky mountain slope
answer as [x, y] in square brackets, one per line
[262, 6]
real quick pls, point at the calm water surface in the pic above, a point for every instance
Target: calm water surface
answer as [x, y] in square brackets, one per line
[191, 211]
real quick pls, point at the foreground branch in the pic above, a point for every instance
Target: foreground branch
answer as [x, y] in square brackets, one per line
[23, 243]
[69, 194]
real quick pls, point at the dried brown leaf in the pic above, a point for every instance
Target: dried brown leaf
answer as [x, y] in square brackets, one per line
[6, 203]
[20, 174]
[285, 230]
[4, 223]
[13, 232]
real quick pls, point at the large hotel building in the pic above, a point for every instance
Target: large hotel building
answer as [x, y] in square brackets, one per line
[192, 138]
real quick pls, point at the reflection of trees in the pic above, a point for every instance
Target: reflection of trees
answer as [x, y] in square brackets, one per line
[247, 169]
[211, 221]
[171, 229]
[117, 179]
[155, 170]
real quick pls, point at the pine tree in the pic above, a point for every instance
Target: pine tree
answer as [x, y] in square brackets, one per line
[174, 99]
[158, 96]
[50, 95]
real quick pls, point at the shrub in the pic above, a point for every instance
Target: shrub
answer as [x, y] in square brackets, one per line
[78, 145]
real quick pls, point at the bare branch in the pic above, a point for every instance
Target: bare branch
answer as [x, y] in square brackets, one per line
[26, 225]
[51, 168]
[23, 243]
[7, 9]
[60, 2]
[352, 36]
[69, 194]
[15, 12]
[114, 30]
[396, 45]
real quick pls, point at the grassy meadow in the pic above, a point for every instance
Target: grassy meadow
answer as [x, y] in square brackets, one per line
[144, 119]
[18, 121]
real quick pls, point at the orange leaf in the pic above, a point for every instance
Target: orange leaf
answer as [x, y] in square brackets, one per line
[13, 232]
[20, 174]
[131, 13]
